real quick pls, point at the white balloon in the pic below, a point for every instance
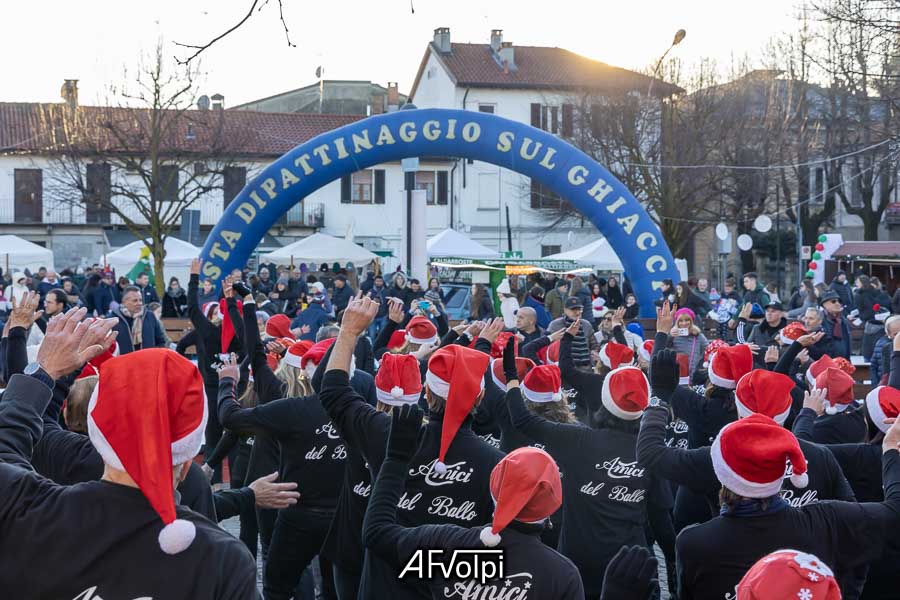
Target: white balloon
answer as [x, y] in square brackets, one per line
[722, 231]
[762, 223]
[744, 242]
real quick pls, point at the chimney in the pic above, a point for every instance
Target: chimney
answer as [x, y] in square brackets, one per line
[393, 96]
[507, 56]
[203, 102]
[69, 92]
[442, 39]
[496, 39]
[218, 101]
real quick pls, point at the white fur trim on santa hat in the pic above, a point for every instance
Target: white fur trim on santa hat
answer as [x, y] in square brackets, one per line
[489, 538]
[310, 368]
[743, 487]
[437, 385]
[496, 381]
[728, 384]
[177, 536]
[684, 380]
[540, 397]
[421, 341]
[642, 352]
[293, 360]
[833, 409]
[876, 414]
[399, 399]
[809, 378]
[607, 399]
[744, 412]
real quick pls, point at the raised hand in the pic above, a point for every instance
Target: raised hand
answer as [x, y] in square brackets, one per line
[405, 423]
[574, 329]
[492, 330]
[746, 309]
[664, 371]
[358, 315]
[803, 356]
[195, 266]
[227, 289]
[618, 317]
[241, 288]
[395, 310]
[65, 349]
[754, 349]
[510, 373]
[632, 574]
[229, 368]
[815, 399]
[474, 329]
[810, 339]
[771, 354]
[269, 494]
[664, 317]
[424, 351]
[276, 348]
[23, 313]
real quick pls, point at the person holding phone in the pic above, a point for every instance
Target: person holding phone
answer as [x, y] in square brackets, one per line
[687, 338]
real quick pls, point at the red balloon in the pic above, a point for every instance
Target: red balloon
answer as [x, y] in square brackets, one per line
[812, 265]
[820, 246]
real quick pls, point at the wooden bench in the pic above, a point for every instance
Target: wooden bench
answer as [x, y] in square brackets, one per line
[176, 328]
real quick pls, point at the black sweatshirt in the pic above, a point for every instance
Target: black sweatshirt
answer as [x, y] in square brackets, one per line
[312, 453]
[846, 427]
[47, 524]
[461, 496]
[209, 337]
[583, 387]
[714, 556]
[533, 571]
[609, 495]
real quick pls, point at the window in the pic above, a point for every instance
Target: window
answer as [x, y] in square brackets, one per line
[97, 192]
[553, 119]
[425, 181]
[363, 187]
[199, 168]
[542, 197]
[167, 181]
[486, 108]
[233, 181]
[551, 249]
[29, 195]
[568, 114]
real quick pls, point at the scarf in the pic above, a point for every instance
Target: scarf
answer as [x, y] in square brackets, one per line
[753, 507]
[227, 325]
[137, 325]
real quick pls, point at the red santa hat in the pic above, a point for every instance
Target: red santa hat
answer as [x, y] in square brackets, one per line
[549, 354]
[145, 430]
[227, 326]
[646, 350]
[526, 487]
[711, 349]
[626, 393]
[296, 351]
[750, 457]
[499, 344]
[684, 369]
[543, 384]
[92, 368]
[279, 326]
[789, 574]
[523, 366]
[456, 374]
[420, 330]
[844, 365]
[818, 366]
[614, 354]
[838, 388]
[398, 380]
[208, 309]
[790, 332]
[397, 339]
[764, 392]
[883, 403]
[311, 359]
[729, 364]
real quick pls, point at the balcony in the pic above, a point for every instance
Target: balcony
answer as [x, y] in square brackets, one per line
[892, 214]
[304, 215]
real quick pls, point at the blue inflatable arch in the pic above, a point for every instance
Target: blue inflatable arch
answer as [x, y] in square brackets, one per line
[569, 172]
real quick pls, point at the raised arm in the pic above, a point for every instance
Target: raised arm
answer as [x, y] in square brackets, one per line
[690, 468]
[195, 314]
[21, 319]
[587, 383]
[268, 386]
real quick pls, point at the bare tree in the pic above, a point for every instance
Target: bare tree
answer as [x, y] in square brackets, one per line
[146, 157]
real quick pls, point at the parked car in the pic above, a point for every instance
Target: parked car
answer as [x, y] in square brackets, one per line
[456, 300]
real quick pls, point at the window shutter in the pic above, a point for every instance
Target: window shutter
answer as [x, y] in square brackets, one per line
[345, 189]
[442, 180]
[568, 114]
[536, 115]
[554, 119]
[379, 186]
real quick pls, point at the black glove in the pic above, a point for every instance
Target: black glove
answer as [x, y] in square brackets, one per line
[509, 360]
[664, 372]
[405, 423]
[631, 575]
[241, 288]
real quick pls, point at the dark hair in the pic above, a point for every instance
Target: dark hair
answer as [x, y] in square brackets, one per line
[603, 419]
[414, 281]
[864, 282]
[751, 275]
[723, 395]
[60, 295]
[536, 292]
[171, 279]
[730, 281]
[475, 301]
[730, 500]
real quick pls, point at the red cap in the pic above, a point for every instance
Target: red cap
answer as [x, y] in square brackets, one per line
[729, 364]
[523, 365]
[398, 380]
[818, 366]
[499, 344]
[145, 430]
[279, 326]
[613, 355]
[398, 338]
[750, 457]
[312, 357]
[711, 349]
[526, 487]
[789, 574]
[543, 384]
[91, 368]
[549, 354]
[455, 373]
[844, 365]
[296, 351]
[883, 403]
[766, 393]
[646, 350]
[626, 393]
[790, 332]
[838, 388]
[420, 330]
[684, 369]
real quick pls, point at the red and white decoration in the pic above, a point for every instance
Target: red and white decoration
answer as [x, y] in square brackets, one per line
[766, 393]
[296, 352]
[727, 365]
[626, 393]
[838, 388]
[791, 332]
[789, 574]
[817, 367]
[883, 403]
[526, 487]
[279, 326]
[750, 457]
[146, 430]
[645, 351]
[684, 369]
[523, 366]
[613, 355]
[314, 356]
[420, 330]
[397, 339]
[398, 381]
[549, 355]
[543, 384]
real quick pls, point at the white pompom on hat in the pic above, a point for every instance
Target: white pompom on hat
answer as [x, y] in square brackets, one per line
[398, 380]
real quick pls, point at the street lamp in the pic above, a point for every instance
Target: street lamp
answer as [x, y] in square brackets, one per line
[679, 36]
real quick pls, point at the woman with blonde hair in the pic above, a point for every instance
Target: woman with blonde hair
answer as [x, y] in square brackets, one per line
[687, 338]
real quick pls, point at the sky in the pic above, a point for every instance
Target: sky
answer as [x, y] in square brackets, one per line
[94, 41]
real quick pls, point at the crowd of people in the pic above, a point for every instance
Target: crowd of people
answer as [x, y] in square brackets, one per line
[725, 452]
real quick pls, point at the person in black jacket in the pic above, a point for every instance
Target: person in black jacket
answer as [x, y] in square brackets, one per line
[841, 286]
[455, 491]
[175, 300]
[611, 497]
[527, 489]
[342, 293]
[842, 420]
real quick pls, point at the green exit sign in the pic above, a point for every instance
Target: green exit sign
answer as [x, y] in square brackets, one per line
[513, 254]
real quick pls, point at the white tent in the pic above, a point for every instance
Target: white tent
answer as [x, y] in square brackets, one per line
[179, 255]
[597, 254]
[450, 242]
[17, 254]
[320, 248]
